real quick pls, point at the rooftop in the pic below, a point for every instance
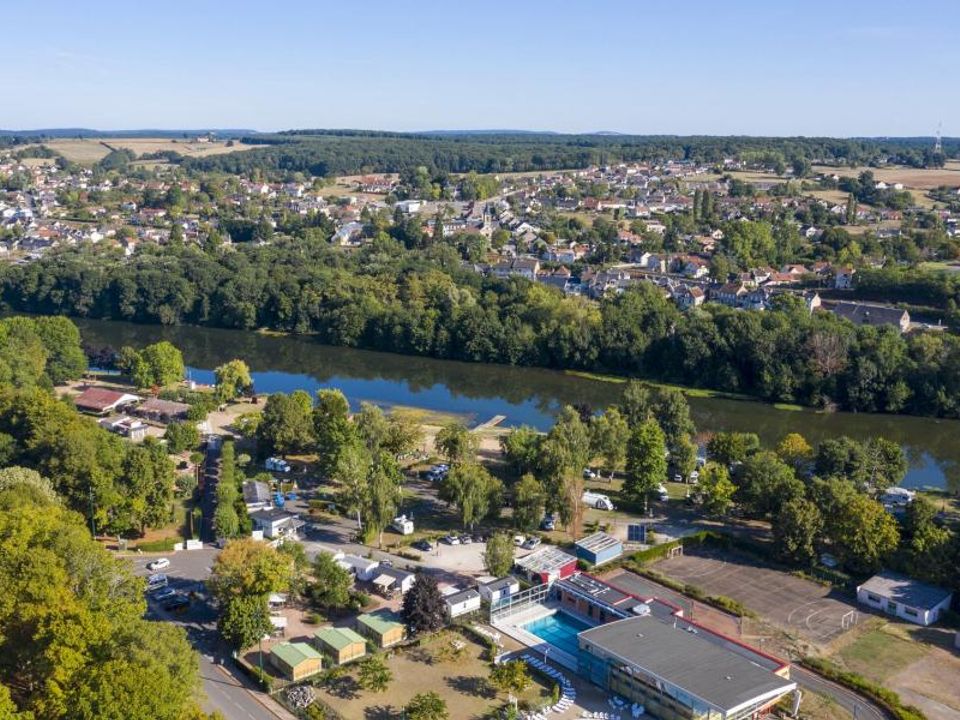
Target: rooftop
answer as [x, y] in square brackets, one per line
[101, 398]
[295, 653]
[547, 560]
[381, 622]
[709, 671]
[598, 542]
[461, 596]
[905, 590]
[338, 638]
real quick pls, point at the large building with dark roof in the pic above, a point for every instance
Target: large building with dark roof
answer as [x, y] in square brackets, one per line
[676, 669]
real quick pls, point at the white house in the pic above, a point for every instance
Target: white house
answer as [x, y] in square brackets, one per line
[363, 569]
[462, 603]
[904, 597]
[499, 589]
[276, 524]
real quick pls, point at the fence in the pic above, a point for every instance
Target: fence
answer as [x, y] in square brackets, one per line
[513, 604]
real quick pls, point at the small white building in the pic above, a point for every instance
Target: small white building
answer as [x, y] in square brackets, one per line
[277, 524]
[497, 590]
[461, 603]
[904, 597]
[364, 569]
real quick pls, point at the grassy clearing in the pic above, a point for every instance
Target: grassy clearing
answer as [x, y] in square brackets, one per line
[917, 178]
[879, 654]
[688, 391]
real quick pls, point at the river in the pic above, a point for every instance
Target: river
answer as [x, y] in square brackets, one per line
[524, 395]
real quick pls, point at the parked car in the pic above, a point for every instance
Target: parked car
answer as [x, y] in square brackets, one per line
[158, 564]
[178, 603]
[451, 540]
[164, 593]
[678, 478]
[662, 493]
[155, 582]
[465, 539]
[548, 523]
[423, 545]
[589, 474]
[518, 540]
[479, 538]
[531, 543]
[694, 477]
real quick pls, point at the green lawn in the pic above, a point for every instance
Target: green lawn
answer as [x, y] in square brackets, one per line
[879, 654]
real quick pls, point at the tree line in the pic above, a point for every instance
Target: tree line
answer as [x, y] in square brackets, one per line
[426, 303]
[325, 152]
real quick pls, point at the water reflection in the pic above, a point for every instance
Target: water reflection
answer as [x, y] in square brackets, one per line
[523, 395]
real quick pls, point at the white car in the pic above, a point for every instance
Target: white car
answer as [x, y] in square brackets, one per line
[518, 540]
[531, 543]
[158, 564]
[451, 540]
[589, 474]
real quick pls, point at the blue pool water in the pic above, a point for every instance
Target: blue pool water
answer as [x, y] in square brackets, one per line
[559, 629]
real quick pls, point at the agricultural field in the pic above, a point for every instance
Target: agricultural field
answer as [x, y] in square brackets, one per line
[90, 151]
[912, 178]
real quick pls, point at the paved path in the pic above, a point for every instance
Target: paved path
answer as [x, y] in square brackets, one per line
[856, 705]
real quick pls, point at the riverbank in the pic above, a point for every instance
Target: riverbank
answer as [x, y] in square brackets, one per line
[476, 392]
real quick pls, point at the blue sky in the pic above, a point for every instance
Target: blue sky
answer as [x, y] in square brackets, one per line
[861, 67]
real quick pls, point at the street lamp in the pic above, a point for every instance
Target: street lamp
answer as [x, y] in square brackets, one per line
[546, 651]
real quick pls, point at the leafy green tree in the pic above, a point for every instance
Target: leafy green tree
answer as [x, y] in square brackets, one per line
[332, 583]
[232, 379]
[498, 554]
[796, 528]
[864, 534]
[372, 426]
[668, 406]
[796, 452]
[733, 447]
[474, 491]
[29, 482]
[247, 568]
[23, 357]
[61, 339]
[374, 674]
[564, 453]
[646, 461]
[683, 457]
[285, 427]
[716, 489]
[383, 493]
[244, 620]
[457, 443]
[511, 676]
[426, 706]
[521, 448]
[609, 434]
[226, 522]
[404, 434]
[182, 436]
[148, 487]
[332, 428]
[424, 609]
[158, 364]
[107, 662]
[764, 483]
[529, 500]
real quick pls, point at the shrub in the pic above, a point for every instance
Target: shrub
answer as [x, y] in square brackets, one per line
[165, 545]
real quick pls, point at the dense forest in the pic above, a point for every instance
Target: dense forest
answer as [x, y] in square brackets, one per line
[345, 152]
[424, 303]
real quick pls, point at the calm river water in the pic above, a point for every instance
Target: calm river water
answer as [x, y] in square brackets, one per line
[524, 395]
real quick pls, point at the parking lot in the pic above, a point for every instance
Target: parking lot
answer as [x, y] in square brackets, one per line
[815, 612]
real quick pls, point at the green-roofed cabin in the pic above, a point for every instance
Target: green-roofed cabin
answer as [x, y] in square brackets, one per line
[296, 660]
[383, 628]
[340, 644]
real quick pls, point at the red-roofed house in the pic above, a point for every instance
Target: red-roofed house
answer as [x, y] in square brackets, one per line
[100, 401]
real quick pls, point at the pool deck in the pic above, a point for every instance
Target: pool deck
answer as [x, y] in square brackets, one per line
[512, 626]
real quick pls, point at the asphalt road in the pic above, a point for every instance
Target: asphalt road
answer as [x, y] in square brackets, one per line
[859, 707]
[226, 689]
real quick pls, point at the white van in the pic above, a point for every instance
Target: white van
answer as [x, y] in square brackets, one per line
[597, 500]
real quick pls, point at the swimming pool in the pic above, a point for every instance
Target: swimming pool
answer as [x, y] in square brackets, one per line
[559, 629]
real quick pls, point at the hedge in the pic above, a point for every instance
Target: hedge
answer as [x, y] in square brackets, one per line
[165, 545]
[886, 698]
